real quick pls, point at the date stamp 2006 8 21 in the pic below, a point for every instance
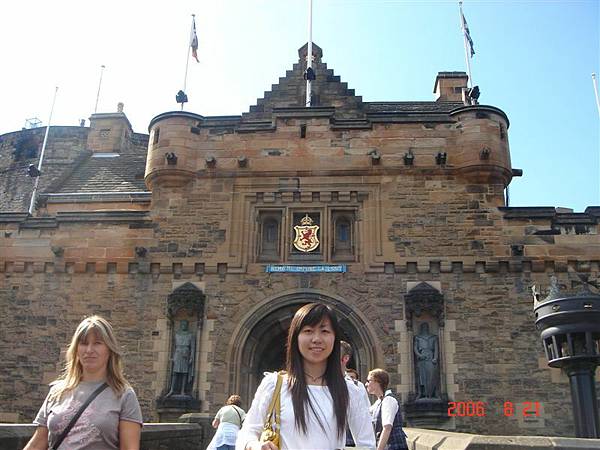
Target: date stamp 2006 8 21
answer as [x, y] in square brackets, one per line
[479, 409]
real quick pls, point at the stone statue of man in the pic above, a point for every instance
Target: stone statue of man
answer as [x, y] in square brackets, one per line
[183, 360]
[426, 361]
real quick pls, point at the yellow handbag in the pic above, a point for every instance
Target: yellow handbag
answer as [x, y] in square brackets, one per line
[272, 426]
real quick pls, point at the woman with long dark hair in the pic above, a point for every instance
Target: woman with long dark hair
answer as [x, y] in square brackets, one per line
[316, 400]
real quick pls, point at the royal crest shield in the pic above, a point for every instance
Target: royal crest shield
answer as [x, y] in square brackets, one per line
[307, 238]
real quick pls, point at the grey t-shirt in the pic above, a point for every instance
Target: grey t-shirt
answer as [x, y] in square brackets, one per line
[98, 426]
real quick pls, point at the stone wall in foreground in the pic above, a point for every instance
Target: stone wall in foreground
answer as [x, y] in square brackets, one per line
[188, 436]
[155, 436]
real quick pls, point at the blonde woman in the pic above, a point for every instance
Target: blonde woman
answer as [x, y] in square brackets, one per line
[113, 419]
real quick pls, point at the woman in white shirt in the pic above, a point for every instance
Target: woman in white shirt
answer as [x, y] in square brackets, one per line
[316, 399]
[385, 413]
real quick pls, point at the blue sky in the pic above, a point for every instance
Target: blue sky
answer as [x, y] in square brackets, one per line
[533, 60]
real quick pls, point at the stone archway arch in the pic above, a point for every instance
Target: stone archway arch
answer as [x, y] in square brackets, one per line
[258, 341]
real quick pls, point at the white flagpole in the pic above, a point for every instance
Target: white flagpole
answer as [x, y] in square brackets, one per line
[187, 59]
[309, 55]
[99, 85]
[595, 82]
[39, 167]
[462, 26]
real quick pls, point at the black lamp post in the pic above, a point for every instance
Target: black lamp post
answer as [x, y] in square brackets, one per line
[570, 331]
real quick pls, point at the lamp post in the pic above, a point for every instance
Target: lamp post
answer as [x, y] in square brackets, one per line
[570, 332]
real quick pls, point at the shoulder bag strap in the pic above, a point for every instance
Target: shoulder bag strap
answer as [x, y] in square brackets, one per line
[65, 432]
[278, 402]
[275, 404]
[239, 415]
[378, 420]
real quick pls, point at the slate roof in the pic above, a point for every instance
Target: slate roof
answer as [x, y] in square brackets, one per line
[123, 173]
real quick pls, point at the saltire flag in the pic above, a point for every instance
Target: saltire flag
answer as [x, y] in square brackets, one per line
[467, 34]
[194, 41]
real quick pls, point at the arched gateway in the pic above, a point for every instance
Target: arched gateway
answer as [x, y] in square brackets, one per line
[258, 342]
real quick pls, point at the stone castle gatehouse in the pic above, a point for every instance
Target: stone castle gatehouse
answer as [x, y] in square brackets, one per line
[392, 212]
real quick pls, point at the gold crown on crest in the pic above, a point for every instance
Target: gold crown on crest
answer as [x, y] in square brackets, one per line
[306, 220]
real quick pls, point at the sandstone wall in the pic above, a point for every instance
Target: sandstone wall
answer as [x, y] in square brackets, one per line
[57, 270]
[443, 224]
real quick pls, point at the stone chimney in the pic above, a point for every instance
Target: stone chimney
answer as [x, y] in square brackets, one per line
[449, 86]
[109, 132]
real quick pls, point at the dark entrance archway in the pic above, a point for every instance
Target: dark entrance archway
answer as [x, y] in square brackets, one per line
[259, 342]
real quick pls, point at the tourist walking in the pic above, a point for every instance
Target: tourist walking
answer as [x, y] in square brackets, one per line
[228, 421]
[92, 385]
[385, 413]
[315, 399]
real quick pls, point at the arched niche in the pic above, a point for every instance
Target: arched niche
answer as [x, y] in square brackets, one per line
[185, 311]
[427, 400]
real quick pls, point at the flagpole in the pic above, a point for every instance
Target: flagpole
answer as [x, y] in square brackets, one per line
[595, 83]
[39, 167]
[187, 59]
[462, 26]
[309, 56]
[99, 85]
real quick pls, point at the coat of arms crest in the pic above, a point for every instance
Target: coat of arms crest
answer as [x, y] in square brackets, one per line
[306, 235]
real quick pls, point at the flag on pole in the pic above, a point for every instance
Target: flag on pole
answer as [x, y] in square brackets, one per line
[467, 33]
[194, 41]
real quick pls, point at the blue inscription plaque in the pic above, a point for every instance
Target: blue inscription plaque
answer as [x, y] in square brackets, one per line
[291, 268]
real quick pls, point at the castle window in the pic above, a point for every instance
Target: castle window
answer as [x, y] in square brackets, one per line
[343, 242]
[343, 232]
[156, 135]
[269, 223]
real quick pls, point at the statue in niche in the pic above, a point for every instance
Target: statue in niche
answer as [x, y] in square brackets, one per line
[426, 351]
[182, 375]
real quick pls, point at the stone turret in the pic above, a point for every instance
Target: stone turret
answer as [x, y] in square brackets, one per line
[172, 149]
[481, 152]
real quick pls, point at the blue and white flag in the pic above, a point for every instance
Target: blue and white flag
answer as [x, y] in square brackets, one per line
[467, 34]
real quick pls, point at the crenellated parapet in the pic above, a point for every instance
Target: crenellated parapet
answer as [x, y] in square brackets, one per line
[536, 240]
[340, 135]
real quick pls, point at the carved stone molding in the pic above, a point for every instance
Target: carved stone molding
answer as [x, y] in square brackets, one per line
[424, 298]
[186, 296]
